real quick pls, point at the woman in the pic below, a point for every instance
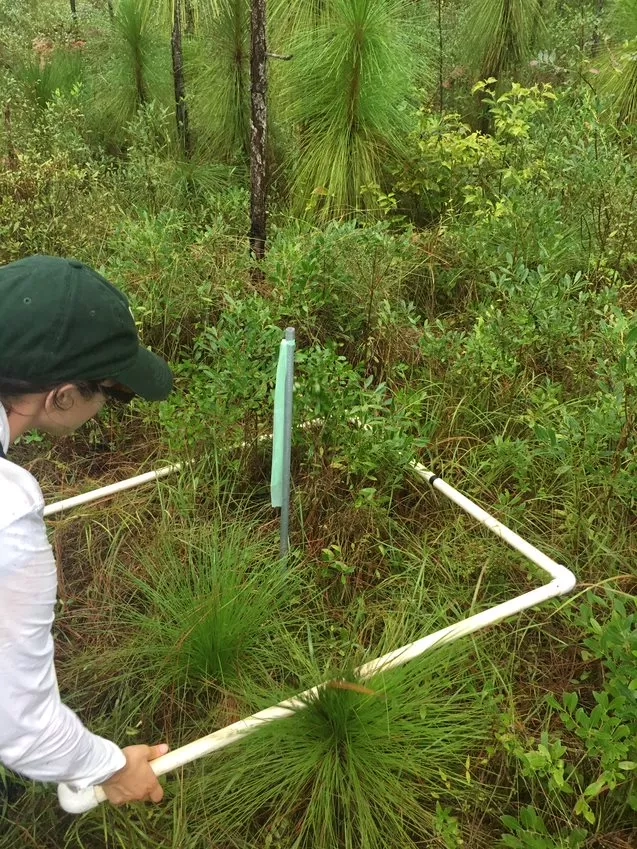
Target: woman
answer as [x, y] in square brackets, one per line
[68, 342]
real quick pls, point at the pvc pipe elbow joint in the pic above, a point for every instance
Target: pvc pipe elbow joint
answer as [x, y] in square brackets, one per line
[79, 801]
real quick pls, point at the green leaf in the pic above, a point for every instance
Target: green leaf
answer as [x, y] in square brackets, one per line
[583, 809]
[570, 701]
[596, 787]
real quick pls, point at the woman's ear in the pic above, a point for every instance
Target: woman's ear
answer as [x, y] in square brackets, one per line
[60, 399]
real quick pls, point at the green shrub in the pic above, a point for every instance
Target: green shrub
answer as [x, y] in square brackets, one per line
[586, 775]
[55, 180]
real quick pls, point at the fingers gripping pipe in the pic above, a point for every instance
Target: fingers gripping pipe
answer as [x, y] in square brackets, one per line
[78, 802]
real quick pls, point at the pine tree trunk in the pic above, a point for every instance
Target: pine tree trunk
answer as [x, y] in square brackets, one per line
[258, 130]
[241, 78]
[181, 108]
[73, 11]
[111, 11]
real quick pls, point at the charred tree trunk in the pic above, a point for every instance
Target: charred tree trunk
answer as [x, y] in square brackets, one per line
[181, 107]
[258, 130]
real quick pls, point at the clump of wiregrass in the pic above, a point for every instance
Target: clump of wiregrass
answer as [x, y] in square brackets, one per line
[362, 765]
[345, 93]
[198, 612]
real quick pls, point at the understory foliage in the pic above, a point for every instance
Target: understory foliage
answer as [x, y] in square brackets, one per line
[464, 299]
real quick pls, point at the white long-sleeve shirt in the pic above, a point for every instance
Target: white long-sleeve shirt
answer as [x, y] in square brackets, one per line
[39, 736]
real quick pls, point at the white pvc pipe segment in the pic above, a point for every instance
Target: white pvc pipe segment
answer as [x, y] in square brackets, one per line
[563, 581]
[560, 573]
[111, 489]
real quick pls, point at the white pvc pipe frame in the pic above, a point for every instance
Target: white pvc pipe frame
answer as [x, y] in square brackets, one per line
[563, 581]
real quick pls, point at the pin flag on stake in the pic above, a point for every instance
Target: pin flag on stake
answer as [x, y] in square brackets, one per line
[282, 435]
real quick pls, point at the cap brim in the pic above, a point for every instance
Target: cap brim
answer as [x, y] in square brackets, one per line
[149, 376]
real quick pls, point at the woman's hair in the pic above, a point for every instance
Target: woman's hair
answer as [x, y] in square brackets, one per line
[11, 390]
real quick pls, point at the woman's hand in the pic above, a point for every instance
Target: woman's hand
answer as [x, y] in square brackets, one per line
[136, 782]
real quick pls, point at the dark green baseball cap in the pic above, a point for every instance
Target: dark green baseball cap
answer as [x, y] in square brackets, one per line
[61, 321]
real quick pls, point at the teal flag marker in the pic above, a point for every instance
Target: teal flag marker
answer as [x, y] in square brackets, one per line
[278, 430]
[282, 434]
